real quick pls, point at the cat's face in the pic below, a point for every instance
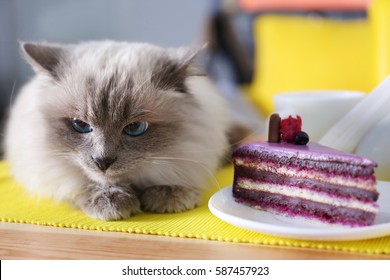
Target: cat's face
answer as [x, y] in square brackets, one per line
[113, 107]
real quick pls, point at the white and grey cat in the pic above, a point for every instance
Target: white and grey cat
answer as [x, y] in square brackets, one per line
[115, 128]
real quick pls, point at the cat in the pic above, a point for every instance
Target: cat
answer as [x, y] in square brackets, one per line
[117, 128]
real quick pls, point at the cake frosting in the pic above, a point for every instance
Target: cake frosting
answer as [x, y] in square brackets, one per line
[306, 181]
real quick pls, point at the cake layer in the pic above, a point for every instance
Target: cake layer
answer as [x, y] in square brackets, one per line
[312, 161]
[312, 153]
[297, 207]
[306, 194]
[338, 168]
[333, 190]
[362, 182]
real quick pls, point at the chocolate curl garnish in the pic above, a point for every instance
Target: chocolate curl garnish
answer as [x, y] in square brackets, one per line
[274, 129]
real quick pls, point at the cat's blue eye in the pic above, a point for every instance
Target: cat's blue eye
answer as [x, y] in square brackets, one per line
[136, 128]
[80, 126]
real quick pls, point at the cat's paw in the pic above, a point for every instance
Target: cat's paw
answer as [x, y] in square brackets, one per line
[169, 199]
[111, 203]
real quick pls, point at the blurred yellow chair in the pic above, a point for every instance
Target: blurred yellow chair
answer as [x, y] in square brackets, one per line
[310, 53]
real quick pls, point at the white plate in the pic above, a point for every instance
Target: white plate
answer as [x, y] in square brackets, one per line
[223, 205]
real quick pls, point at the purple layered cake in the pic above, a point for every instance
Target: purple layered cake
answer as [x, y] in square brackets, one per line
[310, 181]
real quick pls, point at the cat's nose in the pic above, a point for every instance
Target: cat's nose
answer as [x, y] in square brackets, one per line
[104, 162]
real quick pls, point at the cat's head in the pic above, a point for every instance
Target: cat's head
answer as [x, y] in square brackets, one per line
[113, 107]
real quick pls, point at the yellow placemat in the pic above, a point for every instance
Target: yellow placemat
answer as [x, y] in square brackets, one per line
[18, 207]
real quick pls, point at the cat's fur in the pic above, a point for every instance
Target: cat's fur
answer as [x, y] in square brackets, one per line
[109, 85]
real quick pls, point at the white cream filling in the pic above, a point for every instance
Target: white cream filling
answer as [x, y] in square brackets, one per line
[307, 195]
[312, 174]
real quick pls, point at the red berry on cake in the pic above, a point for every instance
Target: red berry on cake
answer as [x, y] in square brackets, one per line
[289, 128]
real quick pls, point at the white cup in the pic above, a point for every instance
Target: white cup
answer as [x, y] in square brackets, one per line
[319, 109]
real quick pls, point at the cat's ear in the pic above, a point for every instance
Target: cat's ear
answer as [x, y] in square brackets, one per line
[44, 57]
[189, 60]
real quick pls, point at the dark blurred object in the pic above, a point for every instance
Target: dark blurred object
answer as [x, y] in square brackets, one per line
[224, 41]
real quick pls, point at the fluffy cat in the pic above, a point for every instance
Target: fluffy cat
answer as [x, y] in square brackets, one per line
[116, 128]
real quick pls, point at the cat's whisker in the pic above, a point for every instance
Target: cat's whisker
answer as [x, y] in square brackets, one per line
[224, 148]
[59, 154]
[11, 100]
[167, 159]
[139, 87]
[164, 163]
[148, 80]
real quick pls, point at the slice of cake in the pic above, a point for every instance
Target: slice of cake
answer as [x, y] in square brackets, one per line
[307, 181]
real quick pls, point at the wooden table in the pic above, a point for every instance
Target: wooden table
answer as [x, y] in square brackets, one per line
[22, 241]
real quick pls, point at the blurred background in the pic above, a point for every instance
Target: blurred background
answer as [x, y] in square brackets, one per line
[256, 48]
[167, 23]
